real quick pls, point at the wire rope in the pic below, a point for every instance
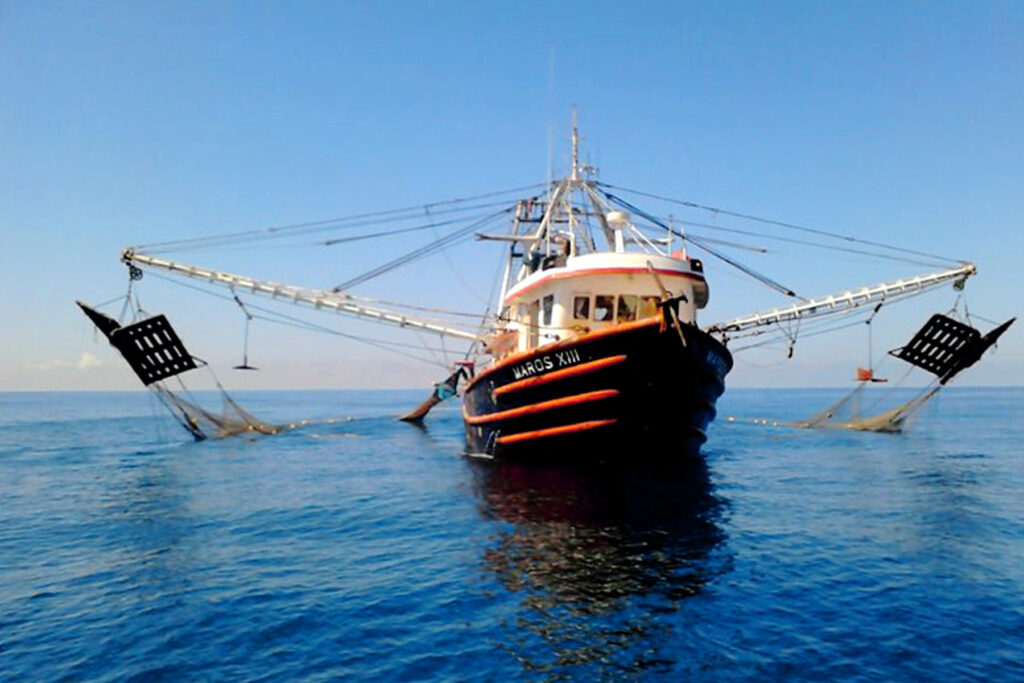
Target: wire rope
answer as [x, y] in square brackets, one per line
[782, 224]
[325, 224]
[793, 240]
[763, 279]
[285, 319]
[420, 252]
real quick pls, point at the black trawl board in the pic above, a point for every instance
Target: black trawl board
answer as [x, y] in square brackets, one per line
[153, 349]
[939, 345]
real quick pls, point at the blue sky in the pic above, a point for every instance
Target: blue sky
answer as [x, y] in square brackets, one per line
[131, 122]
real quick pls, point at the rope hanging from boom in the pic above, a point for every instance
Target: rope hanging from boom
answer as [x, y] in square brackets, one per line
[245, 345]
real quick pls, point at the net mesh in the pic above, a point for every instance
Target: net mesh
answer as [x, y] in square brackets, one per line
[943, 347]
[231, 420]
[155, 352]
[846, 413]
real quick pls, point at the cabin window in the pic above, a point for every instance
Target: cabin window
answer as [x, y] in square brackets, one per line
[532, 321]
[547, 306]
[648, 307]
[604, 308]
[581, 307]
[627, 308]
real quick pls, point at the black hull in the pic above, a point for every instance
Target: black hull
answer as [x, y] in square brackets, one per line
[628, 393]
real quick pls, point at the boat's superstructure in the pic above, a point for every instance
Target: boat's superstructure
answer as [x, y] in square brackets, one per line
[580, 294]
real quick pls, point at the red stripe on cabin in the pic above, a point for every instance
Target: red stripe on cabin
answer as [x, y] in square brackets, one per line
[541, 407]
[623, 270]
[581, 369]
[555, 431]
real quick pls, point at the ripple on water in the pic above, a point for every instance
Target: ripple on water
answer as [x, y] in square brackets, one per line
[364, 549]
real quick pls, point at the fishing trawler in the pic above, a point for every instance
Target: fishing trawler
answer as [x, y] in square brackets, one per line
[593, 351]
[600, 350]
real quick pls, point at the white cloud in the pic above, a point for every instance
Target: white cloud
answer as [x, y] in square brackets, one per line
[50, 365]
[87, 361]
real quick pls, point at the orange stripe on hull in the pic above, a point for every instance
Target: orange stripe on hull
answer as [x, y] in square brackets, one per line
[654, 321]
[555, 431]
[541, 407]
[581, 369]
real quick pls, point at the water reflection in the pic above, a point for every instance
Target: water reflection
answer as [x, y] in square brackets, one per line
[145, 512]
[597, 559]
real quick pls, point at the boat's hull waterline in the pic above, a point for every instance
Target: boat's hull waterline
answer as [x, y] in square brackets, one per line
[634, 391]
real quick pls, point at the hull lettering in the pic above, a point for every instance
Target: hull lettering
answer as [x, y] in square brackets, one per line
[538, 366]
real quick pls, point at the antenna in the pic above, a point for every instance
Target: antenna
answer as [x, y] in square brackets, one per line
[575, 147]
[548, 112]
[551, 148]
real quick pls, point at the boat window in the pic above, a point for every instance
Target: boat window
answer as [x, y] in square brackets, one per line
[581, 307]
[532, 320]
[604, 307]
[547, 305]
[627, 308]
[648, 307]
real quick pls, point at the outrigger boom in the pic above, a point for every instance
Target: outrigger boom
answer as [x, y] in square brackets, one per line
[317, 298]
[742, 326]
[842, 303]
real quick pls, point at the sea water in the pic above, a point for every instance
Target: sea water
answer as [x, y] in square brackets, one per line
[360, 548]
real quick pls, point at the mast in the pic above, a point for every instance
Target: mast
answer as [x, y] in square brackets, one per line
[841, 303]
[575, 148]
[317, 298]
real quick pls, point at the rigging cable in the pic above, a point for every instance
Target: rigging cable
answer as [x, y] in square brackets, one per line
[768, 221]
[399, 231]
[299, 323]
[298, 228]
[127, 300]
[110, 301]
[868, 322]
[448, 259]
[763, 279]
[778, 334]
[382, 344]
[420, 252]
[217, 242]
[792, 240]
[248, 321]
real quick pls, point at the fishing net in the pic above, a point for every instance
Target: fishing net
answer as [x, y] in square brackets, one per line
[847, 413]
[155, 353]
[232, 420]
[942, 347]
